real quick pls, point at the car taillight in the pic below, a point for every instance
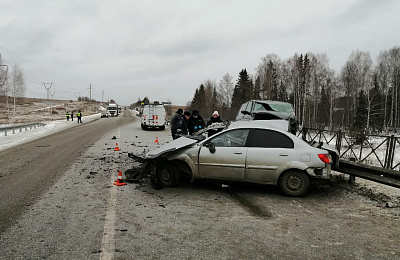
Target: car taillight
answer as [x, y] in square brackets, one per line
[326, 158]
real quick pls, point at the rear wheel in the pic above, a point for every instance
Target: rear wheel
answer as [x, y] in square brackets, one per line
[294, 183]
[168, 175]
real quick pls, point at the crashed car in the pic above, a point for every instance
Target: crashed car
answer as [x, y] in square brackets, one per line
[253, 154]
[275, 114]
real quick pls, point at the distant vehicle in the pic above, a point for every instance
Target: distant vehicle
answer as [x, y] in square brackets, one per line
[104, 113]
[112, 109]
[243, 154]
[275, 114]
[153, 116]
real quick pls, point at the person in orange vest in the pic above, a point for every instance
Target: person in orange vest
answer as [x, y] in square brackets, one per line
[67, 116]
[79, 116]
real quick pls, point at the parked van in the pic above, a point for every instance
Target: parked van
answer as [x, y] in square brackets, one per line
[153, 115]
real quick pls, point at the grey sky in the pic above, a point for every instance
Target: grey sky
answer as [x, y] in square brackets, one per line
[165, 49]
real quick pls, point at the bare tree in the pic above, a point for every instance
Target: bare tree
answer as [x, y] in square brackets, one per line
[269, 71]
[3, 78]
[17, 85]
[225, 89]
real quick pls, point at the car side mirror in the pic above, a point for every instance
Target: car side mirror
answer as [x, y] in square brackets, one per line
[211, 147]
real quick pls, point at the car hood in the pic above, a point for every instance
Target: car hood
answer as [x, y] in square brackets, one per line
[171, 146]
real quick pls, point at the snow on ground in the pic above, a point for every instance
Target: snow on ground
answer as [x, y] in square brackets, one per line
[51, 127]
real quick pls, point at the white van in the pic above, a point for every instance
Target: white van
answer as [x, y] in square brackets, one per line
[153, 116]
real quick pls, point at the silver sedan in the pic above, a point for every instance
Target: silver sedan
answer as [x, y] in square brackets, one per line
[244, 154]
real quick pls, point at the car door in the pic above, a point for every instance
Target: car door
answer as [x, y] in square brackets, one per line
[229, 159]
[268, 151]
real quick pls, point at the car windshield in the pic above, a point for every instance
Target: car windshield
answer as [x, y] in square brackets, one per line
[278, 107]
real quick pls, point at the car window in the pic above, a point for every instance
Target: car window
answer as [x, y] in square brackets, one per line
[242, 108]
[234, 138]
[270, 139]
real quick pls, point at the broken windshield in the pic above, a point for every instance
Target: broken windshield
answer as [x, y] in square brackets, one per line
[276, 106]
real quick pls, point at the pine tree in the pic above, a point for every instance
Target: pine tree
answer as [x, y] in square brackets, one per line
[243, 90]
[257, 89]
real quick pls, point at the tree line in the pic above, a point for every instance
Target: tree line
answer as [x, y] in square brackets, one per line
[362, 96]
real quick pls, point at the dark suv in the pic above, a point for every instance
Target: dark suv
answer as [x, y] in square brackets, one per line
[262, 110]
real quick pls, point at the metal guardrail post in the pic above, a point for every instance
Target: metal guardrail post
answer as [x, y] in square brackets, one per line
[304, 134]
[352, 178]
[339, 141]
[391, 152]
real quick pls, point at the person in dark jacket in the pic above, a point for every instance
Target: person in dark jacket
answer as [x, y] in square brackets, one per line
[177, 123]
[215, 118]
[186, 117]
[195, 122]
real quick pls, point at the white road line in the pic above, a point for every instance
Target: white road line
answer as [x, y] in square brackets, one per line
[108, 242]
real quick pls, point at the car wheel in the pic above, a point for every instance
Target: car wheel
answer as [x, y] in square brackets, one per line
[294, 183]
[168, 175]
[162, 127]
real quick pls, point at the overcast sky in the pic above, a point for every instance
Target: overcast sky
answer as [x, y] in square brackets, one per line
[165, 49]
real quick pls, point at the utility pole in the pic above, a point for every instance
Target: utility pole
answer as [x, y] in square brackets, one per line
[90, 92]
[78, 95]
[52, 97]
[102, 96]
[48, 87]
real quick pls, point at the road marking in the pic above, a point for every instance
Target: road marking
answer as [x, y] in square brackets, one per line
[108, 242]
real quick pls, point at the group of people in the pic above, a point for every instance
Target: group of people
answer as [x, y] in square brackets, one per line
[78, 115]
[184, 123]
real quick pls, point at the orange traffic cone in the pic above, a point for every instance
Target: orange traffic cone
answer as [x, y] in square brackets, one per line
[156, 141]
[116, 147]
[120, 180]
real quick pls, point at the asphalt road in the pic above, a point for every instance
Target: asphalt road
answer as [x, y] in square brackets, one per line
[84, 216]
[31, 169]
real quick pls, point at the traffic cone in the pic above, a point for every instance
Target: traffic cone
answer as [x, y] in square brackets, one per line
[156, 141]
[120, 180]
[116, 147]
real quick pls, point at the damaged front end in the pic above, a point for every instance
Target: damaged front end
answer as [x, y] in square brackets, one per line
[145, 170]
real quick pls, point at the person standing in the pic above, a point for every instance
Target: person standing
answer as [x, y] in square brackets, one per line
[79, 116]
[215, 118]
[177, 124]
[72, 115]
[186, 117]
[67, 116]
[195, 122]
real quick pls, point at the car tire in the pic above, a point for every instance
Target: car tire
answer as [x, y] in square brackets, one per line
[168, 175]
[294, 183]
[162, 127]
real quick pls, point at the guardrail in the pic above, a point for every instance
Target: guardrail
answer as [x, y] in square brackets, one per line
[15, 128]
[377, 150]
[370, 157]
[372, 173]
